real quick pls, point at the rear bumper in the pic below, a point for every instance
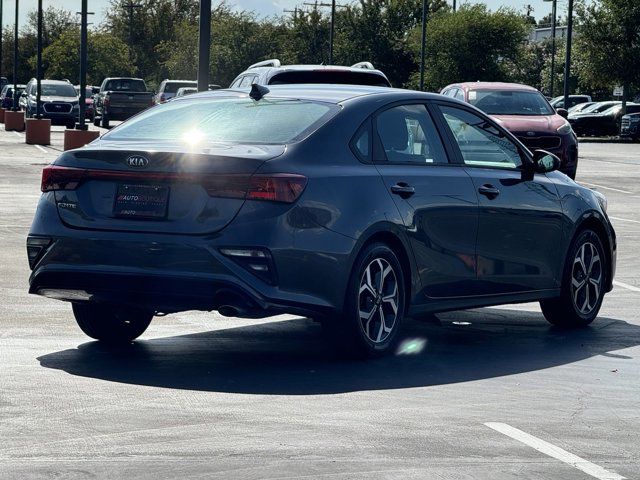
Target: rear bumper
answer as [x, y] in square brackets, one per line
[122, 113]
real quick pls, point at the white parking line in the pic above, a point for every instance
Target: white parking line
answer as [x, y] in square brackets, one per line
[626, 285]
[606, 188]
[624, 219]
[555, 452]
[17, 133]
[42, 149]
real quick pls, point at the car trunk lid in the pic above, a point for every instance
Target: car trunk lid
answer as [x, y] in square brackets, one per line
[124, 186]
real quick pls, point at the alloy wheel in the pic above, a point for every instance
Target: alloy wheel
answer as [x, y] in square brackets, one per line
[378, 300]
[586, 278]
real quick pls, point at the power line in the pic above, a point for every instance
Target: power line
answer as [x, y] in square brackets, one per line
[333, 6]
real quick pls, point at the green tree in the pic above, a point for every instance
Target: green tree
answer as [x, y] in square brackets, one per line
[609, 41]
[471, 44]
[106, 56]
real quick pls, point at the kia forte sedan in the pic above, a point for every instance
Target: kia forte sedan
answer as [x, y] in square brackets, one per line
[356, 206]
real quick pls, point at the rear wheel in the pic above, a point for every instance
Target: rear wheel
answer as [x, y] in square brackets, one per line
[374, 307]
[583, 284]
[111, 324]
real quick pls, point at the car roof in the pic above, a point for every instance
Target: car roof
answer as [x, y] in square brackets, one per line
[56, 82]
[332, 93]
[492, 86]
[180, 81]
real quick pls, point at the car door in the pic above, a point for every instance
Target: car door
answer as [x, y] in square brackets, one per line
[436, 199]
[520, 213]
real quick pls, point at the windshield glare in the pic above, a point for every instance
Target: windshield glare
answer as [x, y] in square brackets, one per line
[61, 90]
[510, 102]
[227, 120]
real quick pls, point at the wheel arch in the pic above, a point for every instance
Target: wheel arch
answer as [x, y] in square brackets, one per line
[594, 221]
[392, 236]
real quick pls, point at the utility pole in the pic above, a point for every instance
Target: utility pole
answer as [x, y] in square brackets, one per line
[331, 28]
[15, 62]
[204, 55]
[131, 7]
[294, 11]
[425, 6]
[454, 5]
[567, 60]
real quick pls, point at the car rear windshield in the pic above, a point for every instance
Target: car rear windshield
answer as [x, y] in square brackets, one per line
[58, 90]
[227, 120]
[126, 85]
[330, 76]
[510, 102]
[173, 87]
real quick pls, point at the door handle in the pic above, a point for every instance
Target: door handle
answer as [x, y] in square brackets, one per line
[403, 189]
[489, 191]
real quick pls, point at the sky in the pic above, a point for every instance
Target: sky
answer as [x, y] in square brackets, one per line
[262, 7]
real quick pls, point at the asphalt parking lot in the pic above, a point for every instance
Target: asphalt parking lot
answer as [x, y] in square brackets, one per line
[493, 393]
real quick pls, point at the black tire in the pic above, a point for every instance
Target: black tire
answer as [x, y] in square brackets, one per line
[71, 125]
[348, 332]
[104, 121]
[579, 302]
[111, 324]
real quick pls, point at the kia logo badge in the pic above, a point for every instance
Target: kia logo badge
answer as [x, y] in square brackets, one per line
[531, 134]
[137, 161]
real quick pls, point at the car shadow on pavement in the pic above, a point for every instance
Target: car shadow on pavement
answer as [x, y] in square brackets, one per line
[291, 357]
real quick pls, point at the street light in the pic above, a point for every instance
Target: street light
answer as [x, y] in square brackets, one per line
[567, 59]
[425, 6]
[15, 62]
[553, 44]
[204, 45]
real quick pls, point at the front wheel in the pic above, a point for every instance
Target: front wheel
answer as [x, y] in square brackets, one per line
[111, 324]
[374, 306]
[583, 284]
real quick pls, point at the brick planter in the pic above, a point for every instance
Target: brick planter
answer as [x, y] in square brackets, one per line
[1, 115]
[78, 138]
[38, 131]
[13, 121]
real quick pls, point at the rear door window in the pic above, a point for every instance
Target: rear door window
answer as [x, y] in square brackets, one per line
[408, 135]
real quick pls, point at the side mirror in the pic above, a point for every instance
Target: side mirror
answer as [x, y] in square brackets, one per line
[23, 94]
[563, 112]
[545, 162]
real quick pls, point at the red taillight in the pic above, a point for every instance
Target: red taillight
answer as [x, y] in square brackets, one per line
[280, 187]
[162, 98]
[106, 101]
[55, 177]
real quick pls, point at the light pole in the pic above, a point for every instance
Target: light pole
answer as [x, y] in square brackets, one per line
[39, 62]
[425, 6]
[554, 4]
[1, 2]
[15, 62]
[567, 60]
[83, 67]
[204, 47]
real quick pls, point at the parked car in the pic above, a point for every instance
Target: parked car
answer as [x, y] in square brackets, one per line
[630, 126]
[89, 92]
[120, 98]
[272, 72]
[580, 107]
[169, 88]
[58, 101]
[526, 113]
[602, 123]
[186, 91]
[558, 102]
[595, 107]
[6, 95]
[352, 205]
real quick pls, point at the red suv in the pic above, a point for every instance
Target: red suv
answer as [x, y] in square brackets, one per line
[526, 113]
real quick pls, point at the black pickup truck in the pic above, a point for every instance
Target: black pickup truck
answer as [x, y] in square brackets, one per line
[119, 99]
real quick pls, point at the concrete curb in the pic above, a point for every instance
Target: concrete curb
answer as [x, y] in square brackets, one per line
[605, 140]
